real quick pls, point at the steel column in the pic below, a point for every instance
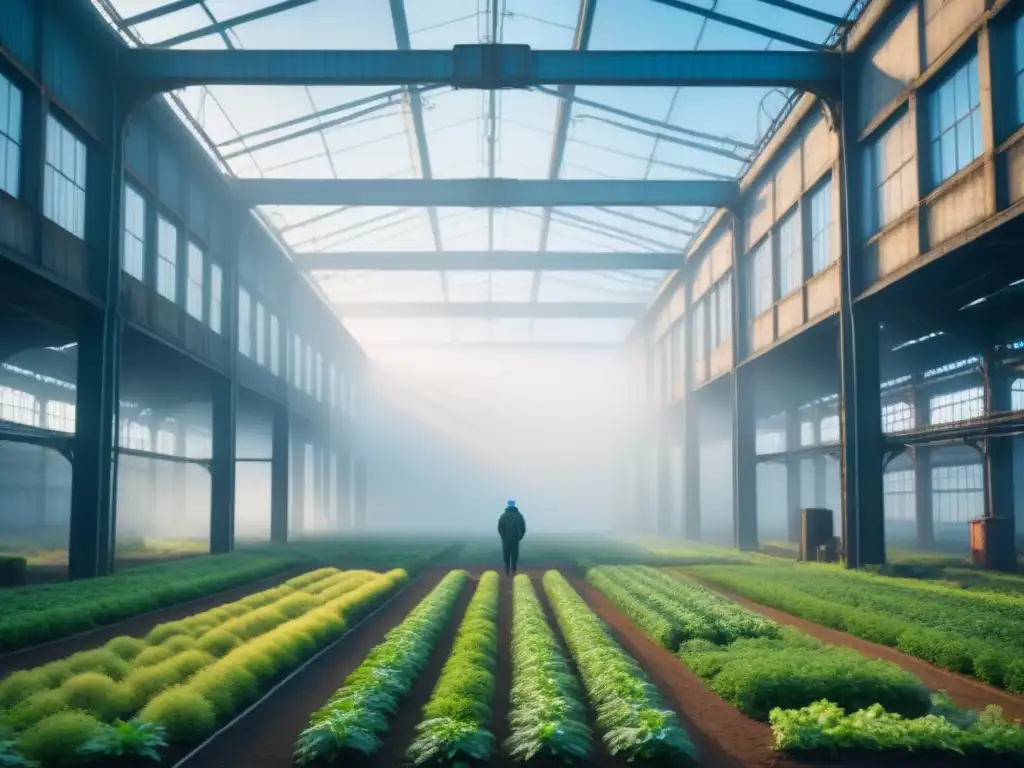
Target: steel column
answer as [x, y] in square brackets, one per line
[298, 510]
[359, 495]
[319, 503]
[343, 478]
[222, 466]
[691, 429]
[279, 443]
[95, 461]
[860, 405]
[744, 453]
[744, 419]
[923, 512]
[818, 462]
[664, 485]
[642, 491]
[794, 475]
[225, 400]
[999, 496]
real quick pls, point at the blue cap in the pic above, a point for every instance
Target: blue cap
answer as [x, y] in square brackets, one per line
[511, 503]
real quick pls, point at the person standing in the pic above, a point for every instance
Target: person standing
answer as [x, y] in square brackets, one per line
[511, 529]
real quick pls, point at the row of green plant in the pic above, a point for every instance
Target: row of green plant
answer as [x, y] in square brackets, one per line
[756, 665]
[454, 730]
[975, 633]
[672, 613]
[822, 726]
[804, 687]
[31, 615]
[353, 720]
[630, 714]
[547, 717]
[186, 682]
[144, 666]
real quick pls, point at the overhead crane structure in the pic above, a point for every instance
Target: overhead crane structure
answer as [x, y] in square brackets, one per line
[832, 77]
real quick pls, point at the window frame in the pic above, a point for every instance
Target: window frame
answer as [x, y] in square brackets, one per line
[969, 121]
[11, 132]
[65, 196]
[245, 302]
[128, 235]
[216, 312]
[163, 263]
[191, 284]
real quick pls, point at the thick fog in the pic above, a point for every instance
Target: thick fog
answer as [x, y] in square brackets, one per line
[451, 435]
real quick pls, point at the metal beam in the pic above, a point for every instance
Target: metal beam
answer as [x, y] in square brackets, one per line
[489, 261]
[219, 27]
[419, 148]
[502, 346]
[484, 193]
[156, 13]
[481, 67]
[491, 310]
[746, 26]
[803, 10]
[563, 119]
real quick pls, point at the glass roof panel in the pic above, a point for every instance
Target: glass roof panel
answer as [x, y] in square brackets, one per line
[348, 132]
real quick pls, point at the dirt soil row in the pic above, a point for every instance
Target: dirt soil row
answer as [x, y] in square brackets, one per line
[966, 692]
[724, 737]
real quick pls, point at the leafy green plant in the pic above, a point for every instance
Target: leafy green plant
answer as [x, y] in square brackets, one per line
[979, 633]
[547, 717]
[454, 728]
[630, 712]
[693, 611]
[356, 714]
[752, 662]
[127, 739]
[10, 757]
[824, 725]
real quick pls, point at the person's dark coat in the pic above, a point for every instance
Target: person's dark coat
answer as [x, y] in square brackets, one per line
[511, 525]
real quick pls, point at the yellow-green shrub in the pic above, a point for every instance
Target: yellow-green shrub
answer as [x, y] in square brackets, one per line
[265, 598]
[227, 687]
[321, 624]
[179, 643]
[198, 630]
[97, 694]
[356, 579]
[126, 647]
[20, 685]
[98, 660]
[56, 671]
[217, 642]
[54, 741]
[254, 623]
[161, 633]
[186, 715]
[187, 663]
[295, 605]
[147, 682]
[305, 579]
[154, 654]
[35, 708]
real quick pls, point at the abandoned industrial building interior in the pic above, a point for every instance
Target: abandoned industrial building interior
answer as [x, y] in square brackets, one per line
[833, 321]
[446, 383]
